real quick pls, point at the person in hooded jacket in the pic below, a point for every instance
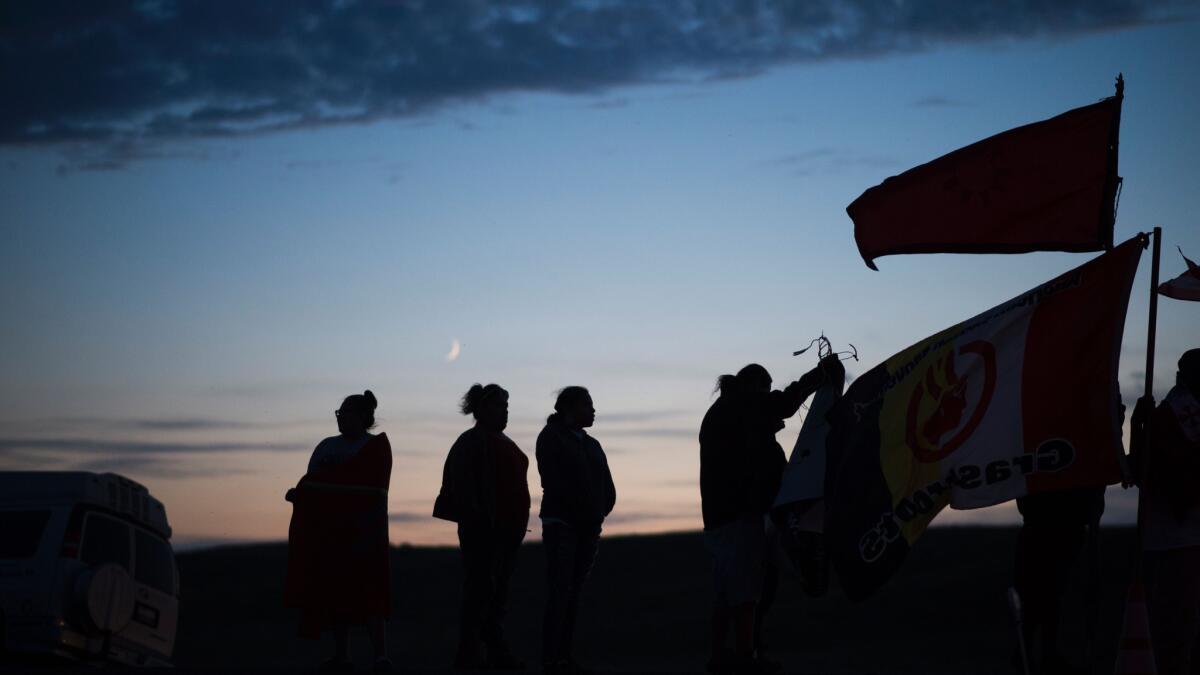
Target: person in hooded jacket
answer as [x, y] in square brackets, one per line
[577, 495]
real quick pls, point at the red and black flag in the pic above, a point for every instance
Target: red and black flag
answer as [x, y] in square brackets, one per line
[1018, 400]
[1046, 186]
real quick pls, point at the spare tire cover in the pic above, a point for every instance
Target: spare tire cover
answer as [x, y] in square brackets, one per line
[107, 595]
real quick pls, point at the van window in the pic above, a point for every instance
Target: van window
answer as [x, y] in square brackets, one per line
[105, 540]
[22, 533]
[155, 564]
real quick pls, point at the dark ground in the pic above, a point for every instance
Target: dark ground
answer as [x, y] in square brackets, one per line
[647, 605]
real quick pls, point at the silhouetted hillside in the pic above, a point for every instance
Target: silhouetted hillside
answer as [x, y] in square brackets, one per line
[647, 609]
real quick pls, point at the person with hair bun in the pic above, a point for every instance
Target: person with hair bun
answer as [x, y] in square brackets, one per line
[741, 466]
[577, 495]
[339, 573]
[485, 490]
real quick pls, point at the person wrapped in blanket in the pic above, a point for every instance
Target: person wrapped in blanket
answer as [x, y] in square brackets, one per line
[339, 572]
[484, 490]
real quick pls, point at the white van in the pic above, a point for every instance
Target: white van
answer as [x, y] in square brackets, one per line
[86, 570]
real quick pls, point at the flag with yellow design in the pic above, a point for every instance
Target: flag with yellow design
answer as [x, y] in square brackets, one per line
[1017, 400]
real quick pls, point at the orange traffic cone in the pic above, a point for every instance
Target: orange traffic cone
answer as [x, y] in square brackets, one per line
[1135, 656]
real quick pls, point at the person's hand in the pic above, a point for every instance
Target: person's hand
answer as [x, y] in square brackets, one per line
[1141, 412]
[834, 370]
[812, 380]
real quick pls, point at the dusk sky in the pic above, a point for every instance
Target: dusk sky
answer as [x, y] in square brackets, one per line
[222, 218]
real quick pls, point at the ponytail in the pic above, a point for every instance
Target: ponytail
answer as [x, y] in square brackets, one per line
[476, 395]
[726, 384]
[746, 379]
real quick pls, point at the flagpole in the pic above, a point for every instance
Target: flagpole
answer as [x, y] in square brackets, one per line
[1143, 460]
[1135, 653]
[1151, 328]
[1112, 183]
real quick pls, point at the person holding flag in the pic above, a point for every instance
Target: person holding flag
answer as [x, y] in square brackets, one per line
[1170, 467]
[741, 465]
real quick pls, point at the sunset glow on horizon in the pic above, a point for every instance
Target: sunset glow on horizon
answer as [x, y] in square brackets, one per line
[187, 301]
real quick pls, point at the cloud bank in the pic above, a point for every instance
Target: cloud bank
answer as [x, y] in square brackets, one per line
[131, 447]
[125, 75]
[134, 458]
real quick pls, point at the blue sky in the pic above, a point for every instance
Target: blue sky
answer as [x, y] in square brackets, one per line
[187, 303]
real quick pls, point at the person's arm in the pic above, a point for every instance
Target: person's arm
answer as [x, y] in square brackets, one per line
[1180, 455]
[385, 471]
[785, 404]
[610, 489]
[549, 465]
[1174, 462]
[564, 476]
[314, 463]
[466, 455]
[318, 456]
[1143, 410]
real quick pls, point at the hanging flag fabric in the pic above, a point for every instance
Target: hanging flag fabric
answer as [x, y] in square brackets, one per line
[799, 510]
[804, 478]
[1018, 400]
[1046, 186]
[1186, 286]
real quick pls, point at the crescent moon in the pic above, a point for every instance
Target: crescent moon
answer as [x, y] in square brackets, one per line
[455, 348]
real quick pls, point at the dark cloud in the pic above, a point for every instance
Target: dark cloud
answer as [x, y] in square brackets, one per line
[189, 424]
[643, 415]
[609, 104]
[826, 160]
[794, 158]
[124, 448]
[693, 482]
[408, 517]
[937, 102]
[117, 153]
[691, 433]
[184, 543]
[72, 425]
[628, 517]
[132, 75]
[156, 466]
[136, 459]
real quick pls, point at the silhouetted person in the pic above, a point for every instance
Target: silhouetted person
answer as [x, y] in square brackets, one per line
[741, 465]
[577, 494]
[1054, 529]
[338, 571]
[484, 490]
[1171, 538]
